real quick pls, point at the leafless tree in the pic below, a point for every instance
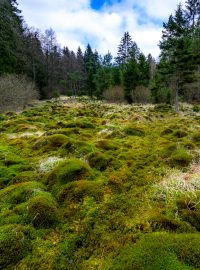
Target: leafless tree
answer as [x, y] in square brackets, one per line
[16, 92]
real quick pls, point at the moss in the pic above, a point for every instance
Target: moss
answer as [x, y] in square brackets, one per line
[180, 133]
[14, 244]
[26, 176]
[98, 160]
[76, 191]
[106, 144]
[18, 193]
[161, 222]
[134, 131]
[51, 142]
[196, 137]
[42, 211]
[69, 170]
[82, 123]
[180, 158]
[189, 209]
[161, 251]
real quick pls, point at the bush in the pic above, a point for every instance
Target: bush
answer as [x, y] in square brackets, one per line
[114, 94]
[16, 92]
[161, 251]
[42, 211]
[69, 170]
[14, 244]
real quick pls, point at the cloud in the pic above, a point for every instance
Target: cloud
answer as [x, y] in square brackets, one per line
[77, 24]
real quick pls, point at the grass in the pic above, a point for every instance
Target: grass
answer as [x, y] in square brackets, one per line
[89, 185]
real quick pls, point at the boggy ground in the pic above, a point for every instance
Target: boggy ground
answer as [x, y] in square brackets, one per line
[90, 185]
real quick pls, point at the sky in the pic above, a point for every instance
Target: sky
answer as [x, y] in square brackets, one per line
[101, 23]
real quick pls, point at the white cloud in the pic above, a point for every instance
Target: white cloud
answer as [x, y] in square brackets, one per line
[75, 23]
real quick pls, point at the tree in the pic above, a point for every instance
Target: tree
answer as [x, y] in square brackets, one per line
[11, 38]
[124, 50]
[92, 64]
[16, 92]
[178, 62]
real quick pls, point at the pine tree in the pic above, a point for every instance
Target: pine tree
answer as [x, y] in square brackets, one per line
[11, 38]
[124, 50]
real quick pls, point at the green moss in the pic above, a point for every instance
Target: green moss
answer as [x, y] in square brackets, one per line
[14, 244]
[98, 160]
[19, 193]
[161, 222]
[180, 158]
[196, 137]
[42, 211]
[51, 142]
[82, 123]
[69, 170]
[76, 191]
[161, 251]
[133, 131]
[189, 208]
[180, 133]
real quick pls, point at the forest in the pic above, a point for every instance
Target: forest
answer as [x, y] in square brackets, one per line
[130, 76]
[99, 155]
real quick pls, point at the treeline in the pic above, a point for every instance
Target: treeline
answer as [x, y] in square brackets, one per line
[131, 75]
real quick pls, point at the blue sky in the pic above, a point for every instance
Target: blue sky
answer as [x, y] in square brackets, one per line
[100, 22]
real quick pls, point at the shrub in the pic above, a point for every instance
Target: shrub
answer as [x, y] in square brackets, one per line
[161, 251]
[69, 170]
[16, 92]
[42, 211]
[114, 94]
[14, 244]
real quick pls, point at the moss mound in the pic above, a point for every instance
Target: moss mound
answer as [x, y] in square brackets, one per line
[76, 191]
[98, 160]
[134, 131]
[51, 142]
[42, 211]
[69, 170]
[161, 251]
[14, 244]
[19, 193]
[180, 158]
